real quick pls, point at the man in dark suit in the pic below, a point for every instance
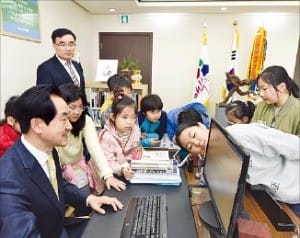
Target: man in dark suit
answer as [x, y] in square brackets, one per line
[30, 203]
[56, 71]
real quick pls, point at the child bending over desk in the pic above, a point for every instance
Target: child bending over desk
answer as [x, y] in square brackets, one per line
[274, 156]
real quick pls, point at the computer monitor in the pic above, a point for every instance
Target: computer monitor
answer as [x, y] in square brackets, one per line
[225, 171]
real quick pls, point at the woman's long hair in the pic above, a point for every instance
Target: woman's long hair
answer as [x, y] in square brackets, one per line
[72, 93]
[275, 75]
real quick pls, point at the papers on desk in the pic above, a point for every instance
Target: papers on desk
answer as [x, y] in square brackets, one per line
[156, 167]
[155, 155]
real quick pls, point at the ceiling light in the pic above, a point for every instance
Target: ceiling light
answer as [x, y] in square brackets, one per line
[112, 10]
[223, 9]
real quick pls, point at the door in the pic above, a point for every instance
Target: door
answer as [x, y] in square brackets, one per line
[137, 45]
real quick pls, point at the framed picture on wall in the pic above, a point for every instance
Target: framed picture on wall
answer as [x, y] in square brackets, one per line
[106, 68]
[20, 19]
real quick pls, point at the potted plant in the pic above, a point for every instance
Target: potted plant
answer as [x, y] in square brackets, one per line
[136, 76]
[125, 64]
[135, 67]
[131, 69]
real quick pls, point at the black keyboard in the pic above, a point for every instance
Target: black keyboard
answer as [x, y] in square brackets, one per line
[146, 217]
[276, 214]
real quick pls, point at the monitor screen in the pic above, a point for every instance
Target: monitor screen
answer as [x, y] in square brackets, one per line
[225, 171]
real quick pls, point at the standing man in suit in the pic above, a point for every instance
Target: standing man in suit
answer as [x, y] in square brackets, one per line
[32, 198]
[56, 70]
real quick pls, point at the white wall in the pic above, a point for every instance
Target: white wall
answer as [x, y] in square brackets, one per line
[20, 58]
[177, 47]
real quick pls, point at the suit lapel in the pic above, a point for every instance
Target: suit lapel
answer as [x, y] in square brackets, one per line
[61, 70]
[38, 176]
[42, 181]
[79, 71]
[58, 175]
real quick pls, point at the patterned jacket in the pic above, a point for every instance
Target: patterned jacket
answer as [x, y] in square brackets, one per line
[117, 155]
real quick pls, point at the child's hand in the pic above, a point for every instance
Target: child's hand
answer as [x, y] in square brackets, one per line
[155, 142]
[115, 183]
[127, 173]
[137, 153]
[143, 135]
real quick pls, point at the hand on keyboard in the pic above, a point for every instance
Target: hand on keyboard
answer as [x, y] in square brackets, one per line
[96, 203]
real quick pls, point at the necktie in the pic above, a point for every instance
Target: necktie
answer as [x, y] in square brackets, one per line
[52, 174]
[73, 75]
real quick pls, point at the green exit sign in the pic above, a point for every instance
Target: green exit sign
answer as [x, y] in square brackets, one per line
[124, 19]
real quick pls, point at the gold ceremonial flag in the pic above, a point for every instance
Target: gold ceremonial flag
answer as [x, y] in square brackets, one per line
[258, 54]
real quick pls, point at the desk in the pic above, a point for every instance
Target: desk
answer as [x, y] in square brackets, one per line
[257, 214]
[200, 195]
[180, 215]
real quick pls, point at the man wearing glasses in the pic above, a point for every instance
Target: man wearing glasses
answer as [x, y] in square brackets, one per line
[60, 68]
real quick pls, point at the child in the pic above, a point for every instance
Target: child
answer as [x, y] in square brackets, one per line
[280, 106]
[152, 120]
[189, 114]
[9, 127]
[274, 156]
[239, 112]
[74, 166]
[120, 137]
[114, 82]
[172, 115]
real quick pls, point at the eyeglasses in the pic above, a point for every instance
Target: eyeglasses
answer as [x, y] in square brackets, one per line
[65, 45]
[79, 108]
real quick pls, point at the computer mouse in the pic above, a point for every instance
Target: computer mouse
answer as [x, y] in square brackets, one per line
[108, 209]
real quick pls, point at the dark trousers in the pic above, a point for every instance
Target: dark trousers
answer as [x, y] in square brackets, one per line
[83, 211]
[75, 226]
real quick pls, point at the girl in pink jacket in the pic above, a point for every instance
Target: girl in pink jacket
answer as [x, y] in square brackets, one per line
[120, 137]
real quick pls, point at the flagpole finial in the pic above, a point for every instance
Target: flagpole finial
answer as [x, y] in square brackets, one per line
[235, 23]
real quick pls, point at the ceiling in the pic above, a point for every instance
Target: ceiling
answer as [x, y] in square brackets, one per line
[101, 7]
